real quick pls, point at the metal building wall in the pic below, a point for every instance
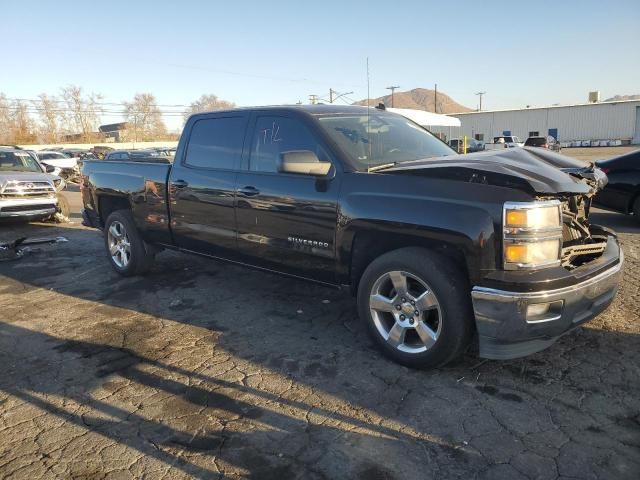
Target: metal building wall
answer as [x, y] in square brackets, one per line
[601, 121]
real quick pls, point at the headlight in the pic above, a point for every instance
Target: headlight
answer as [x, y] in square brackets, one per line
[532, 234]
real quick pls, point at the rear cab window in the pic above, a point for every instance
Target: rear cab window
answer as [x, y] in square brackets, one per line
[216, 143]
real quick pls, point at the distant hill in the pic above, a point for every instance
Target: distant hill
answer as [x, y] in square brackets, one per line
[617, 98]
[419, 99]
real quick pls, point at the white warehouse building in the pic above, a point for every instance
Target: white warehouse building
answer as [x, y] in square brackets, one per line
[602, 122]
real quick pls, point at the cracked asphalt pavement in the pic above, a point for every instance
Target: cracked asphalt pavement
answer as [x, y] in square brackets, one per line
[207, 370]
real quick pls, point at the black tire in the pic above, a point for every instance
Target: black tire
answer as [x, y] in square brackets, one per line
[63, 205]
[140, 256]
[636, 208]
[454, 315]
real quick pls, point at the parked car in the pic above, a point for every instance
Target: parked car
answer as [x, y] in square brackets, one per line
[442, 250]
[549, 143]
[68, 166]
[504, 141]
[27, 191]
[473, 145]
[135, 155]
[101, 151]
[164, 151]
[74, 152]
[622, 193]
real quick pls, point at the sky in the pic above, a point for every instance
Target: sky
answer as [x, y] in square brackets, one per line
[280, 52]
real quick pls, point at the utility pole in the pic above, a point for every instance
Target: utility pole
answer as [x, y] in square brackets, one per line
[435, 99]
[313, 99]
[335, 95]
[393, 89]
[480, 94]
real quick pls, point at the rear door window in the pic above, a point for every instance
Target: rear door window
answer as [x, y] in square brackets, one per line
[216, 143]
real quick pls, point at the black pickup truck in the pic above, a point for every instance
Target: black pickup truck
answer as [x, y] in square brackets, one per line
[443, 251]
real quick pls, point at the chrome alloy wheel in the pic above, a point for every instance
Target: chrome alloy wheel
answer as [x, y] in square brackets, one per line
[119, 245]
[405, 311]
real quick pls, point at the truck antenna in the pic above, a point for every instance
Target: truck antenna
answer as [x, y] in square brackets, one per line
[368, 108]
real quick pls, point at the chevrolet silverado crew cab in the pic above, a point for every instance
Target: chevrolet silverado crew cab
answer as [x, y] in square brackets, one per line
[443, 251]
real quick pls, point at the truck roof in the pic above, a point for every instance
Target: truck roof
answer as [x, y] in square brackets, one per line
[318, 109]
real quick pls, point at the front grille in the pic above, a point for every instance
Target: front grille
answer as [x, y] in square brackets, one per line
[26, 208]
[21, 189]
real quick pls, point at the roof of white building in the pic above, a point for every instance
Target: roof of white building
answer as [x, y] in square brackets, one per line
[589, 104]
[426, 119]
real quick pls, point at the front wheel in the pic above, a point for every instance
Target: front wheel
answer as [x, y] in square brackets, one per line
[417, 307]
[126, 250]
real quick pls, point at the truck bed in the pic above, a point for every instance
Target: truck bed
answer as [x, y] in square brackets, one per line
[142, 186]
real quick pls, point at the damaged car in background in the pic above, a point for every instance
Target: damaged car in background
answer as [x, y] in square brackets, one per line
[66, 166]
[27, 191]
[443, 251]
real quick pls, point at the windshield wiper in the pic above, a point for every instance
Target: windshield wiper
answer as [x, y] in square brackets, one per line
[382, 166]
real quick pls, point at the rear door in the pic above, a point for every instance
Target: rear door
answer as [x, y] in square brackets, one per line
[202, 185]
[287, 222]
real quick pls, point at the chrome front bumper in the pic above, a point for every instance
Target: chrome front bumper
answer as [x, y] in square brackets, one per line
[28, 207]
[507, 329]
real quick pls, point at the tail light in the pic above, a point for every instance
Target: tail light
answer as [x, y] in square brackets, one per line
[605, 170]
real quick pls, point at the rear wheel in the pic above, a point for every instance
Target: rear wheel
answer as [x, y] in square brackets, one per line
[417, 307]
[126, 250]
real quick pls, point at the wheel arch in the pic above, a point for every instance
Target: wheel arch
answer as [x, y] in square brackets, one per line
[107, 204]
[369, 245]
[634, 197]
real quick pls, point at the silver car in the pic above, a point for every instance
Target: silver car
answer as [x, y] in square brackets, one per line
[27, 191]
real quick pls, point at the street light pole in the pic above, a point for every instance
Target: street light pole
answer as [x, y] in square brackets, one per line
[392, 88]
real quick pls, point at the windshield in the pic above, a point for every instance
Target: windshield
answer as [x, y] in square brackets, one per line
[378, 139]
[18, 162]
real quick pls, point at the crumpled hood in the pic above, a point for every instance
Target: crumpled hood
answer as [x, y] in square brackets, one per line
[6, 177]
[536, 169]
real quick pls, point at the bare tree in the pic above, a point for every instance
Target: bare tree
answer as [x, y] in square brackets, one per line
[16, 126]
[5, 120]
[50, 117]
[144, 116]
[207, 103]
[82, 111]
[22, 123]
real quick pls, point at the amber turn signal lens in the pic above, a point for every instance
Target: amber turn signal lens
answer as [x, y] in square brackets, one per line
[515, 253]
[516, 217]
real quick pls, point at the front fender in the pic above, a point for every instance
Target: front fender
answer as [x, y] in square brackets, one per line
[469, 229]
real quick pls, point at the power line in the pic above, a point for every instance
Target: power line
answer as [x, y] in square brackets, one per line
[30, 109]
[57, 100]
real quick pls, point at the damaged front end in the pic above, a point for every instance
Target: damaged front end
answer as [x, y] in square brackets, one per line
[581, 241]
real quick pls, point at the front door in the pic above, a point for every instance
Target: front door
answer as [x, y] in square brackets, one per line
[202, 185]
[286, 222]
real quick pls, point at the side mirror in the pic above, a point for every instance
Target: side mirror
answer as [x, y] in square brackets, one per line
[303, 162]
[49, 168]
